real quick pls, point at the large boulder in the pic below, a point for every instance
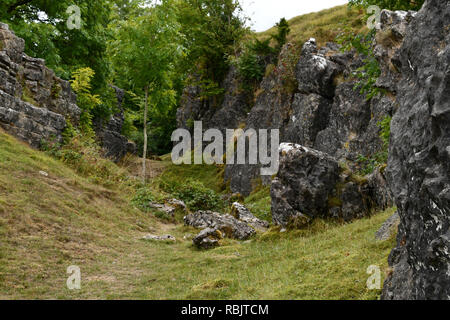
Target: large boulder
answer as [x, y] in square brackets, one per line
[419, 162]
[312, 184]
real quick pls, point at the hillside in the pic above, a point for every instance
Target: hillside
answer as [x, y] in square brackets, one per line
[323, 25]
[48, 223]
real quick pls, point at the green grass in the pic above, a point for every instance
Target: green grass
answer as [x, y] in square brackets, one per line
[323, 25]
[50, 223]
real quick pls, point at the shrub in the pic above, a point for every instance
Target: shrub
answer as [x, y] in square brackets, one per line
[194, 194]
[282, 32]
[81, 153]
[370, 71]
[143, 198]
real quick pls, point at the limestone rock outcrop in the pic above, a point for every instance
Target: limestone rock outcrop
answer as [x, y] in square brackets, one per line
[34, 103]
[418, 169]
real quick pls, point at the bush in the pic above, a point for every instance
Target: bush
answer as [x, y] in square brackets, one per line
[370, 71]
[143, 198]
[194, 194]
[282, 32]
[81, 153]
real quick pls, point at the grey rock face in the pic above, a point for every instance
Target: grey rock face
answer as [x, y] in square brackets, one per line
[390, 34]
[419, 163]
[388, 228]
[227, 224]
[327, 113]
[311, 184]
[109, 134]
[310, 115]
[227, 114]
[27, 122]
[349, 118]
[315, 73]
[271, 111]
[34, 103]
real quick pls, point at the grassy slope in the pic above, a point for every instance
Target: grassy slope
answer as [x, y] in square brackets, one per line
[49, 223]
[323, 25]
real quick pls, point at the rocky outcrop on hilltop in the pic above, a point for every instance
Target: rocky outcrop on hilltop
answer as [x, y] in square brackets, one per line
[35, 104]
[419, 159]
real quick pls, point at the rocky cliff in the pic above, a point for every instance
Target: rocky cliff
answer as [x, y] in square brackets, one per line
[419, 159]
[35, 104]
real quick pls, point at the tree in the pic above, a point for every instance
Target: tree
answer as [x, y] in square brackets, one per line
[212, 30]
[145, 52]
[282, 32]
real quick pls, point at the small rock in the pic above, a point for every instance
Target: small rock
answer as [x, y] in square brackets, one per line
[388, 228]
[188, 236]
[207, 238]
[43, 173]
[243, 214]
[178, 204]
[167, 209]
[159, 238]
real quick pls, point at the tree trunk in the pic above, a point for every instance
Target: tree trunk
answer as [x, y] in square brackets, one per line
[144, 157]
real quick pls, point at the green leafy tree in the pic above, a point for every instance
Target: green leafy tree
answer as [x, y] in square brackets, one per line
[282, 32]
[145, 53]
[81, 84]
[212, 31]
